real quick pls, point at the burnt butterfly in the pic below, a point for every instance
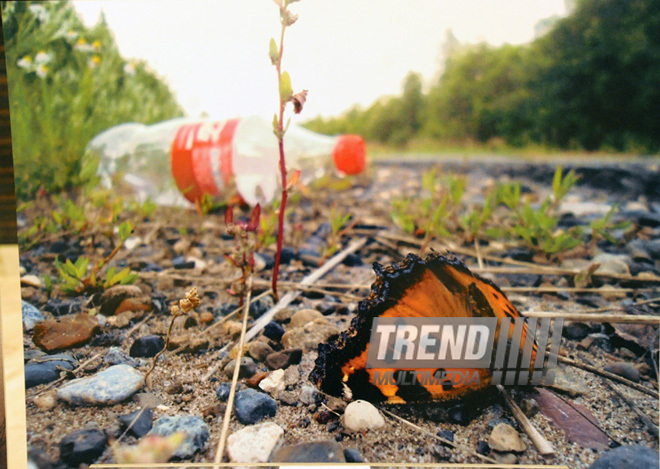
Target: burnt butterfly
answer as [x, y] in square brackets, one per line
[438, 286]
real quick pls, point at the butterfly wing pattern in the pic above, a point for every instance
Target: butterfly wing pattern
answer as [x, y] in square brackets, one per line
[438, 286]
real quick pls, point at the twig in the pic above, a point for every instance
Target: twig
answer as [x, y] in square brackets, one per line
[439, 438]
[543, 446]
[234, 381]
[59, 380]
[480, 261]
[310, 279]
[612, 376]
[613, 318]
[653, 429]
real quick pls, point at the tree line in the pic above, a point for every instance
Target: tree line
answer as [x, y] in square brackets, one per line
[591, 83]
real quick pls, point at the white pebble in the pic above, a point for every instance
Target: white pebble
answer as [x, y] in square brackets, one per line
[361, 415]
[253, 444]
[273, 382]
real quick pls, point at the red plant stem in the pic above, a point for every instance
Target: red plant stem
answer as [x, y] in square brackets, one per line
[280, 138]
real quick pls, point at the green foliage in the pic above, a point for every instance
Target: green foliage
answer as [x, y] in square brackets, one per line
[67, 83]
[338, 226]
[590, 83]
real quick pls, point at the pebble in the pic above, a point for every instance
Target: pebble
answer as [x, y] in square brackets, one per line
[248, 368]
[627, 457]
[46, 369]
[505, 458]
[308, 395]
[260, 350]
[65, 332]
[625, 370]
[274, 383]
[288, 398]
[530, 407]
[314, 451]
[576, 330]
[254, 444]
[256, 379]
[31, 281]
[274, 331]
[251, 406]
[353, 260]
[505, 438]
[361, 416]
[59, 307]
[83, 446]
[566, 380]
[352, 455]
[309, 336]
[223, 391]
[46, 401]
[482, 447]
[259, 307]
[611, 263]
[147, 346]
[180, 262]
[206, 317]
[117, 356]
[284, 358]
[107, 387]
[303, 316]
[197, 431]
[287, 255]
[447, 435]
[122, 298]
[31, 315]
[142, 425]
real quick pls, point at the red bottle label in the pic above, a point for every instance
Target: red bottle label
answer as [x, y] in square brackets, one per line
[202, 158]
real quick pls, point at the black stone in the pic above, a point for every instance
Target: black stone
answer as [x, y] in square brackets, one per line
[252, 406]
[353, 260]
[46, 369]
[142, 425]
[147, 346]
[180, 262]
[286, 255]
[352, 455]
[58, 307]
[628, 457]
[459, 414]
[82, 446]
[58, 247]
[447, 435]
[483, 447]
[259, 307]
[576, 331]
[223, 391]
[274, 331]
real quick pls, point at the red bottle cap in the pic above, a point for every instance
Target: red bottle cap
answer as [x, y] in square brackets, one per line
[349, 154]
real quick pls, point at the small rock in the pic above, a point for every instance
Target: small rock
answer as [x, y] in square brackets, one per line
[315, 451]
[141, 425]
[31, 281]
[59, 307]
[566, 380]
[206, 317]
[362, 415]
[505, 458]
[180, 262]
[530, 407]
[232, 328]
[505, 438]
[65, 332]
[625, 370]
[116, 356]
[576, 330]
[447, 435]
[251, 406]
[309, 336]
[46, 369]
[118, 320]
[31, 315]
[459, 413]
[284, 358]
[223, 391]
[253, 444]
[628, 457]
[288, 398]
[274, 383]
[147, 346]
[247, 369]
[122, 298]
[259, 350]
[302, 317]
[287, 255]
[353, 260]
[274, 331]
[441, 453]
[308, 394]
[482, 447]
[110, 386]
[197, 431]
[82, 446]
[612, 263]
[352, 455]
[46, 401]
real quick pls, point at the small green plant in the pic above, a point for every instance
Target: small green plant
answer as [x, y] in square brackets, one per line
[602, 228]
[74, 279]
[338, 227]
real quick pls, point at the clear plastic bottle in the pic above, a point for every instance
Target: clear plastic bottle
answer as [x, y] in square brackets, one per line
[184, 158]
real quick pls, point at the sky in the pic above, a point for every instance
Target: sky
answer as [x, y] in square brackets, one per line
[214, 53]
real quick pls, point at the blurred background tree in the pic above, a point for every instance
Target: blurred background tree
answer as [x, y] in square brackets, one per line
[68, 83]
[591, 83]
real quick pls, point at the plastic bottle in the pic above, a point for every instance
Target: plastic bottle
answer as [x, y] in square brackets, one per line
[189, 157]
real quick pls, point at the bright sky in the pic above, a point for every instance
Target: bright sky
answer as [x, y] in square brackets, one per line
[214, 53]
